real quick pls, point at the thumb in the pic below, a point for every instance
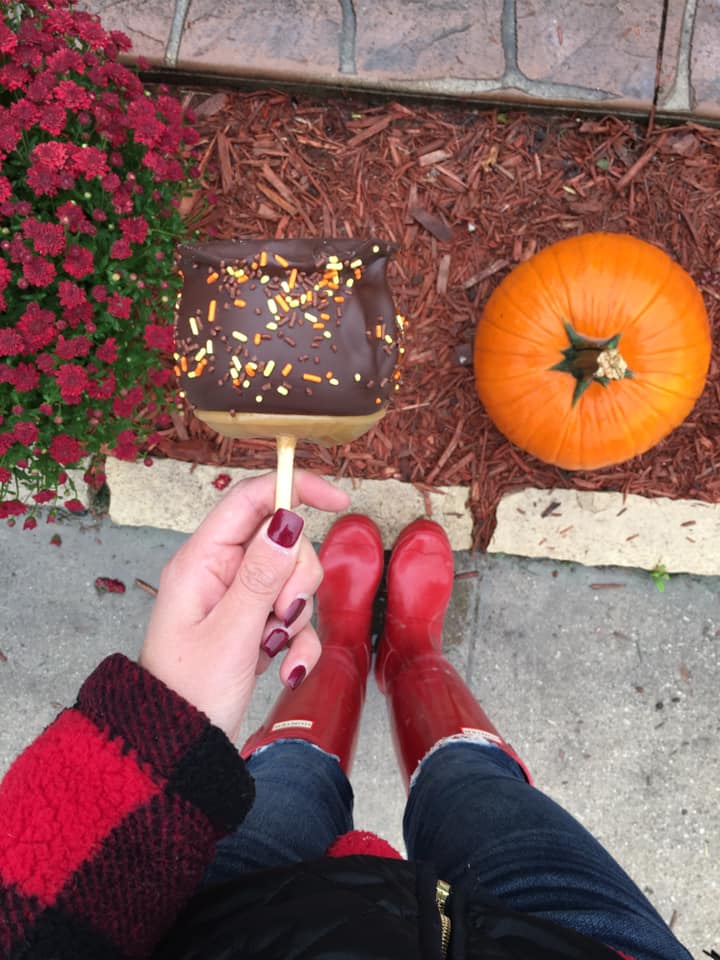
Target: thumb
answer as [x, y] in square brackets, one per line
[269, 561]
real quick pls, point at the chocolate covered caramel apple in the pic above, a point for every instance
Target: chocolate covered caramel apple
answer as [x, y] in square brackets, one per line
[290, 339]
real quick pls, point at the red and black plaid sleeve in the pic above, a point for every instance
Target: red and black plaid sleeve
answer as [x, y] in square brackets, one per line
[110, 818]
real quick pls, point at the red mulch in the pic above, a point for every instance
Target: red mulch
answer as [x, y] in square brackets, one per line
[467, 193]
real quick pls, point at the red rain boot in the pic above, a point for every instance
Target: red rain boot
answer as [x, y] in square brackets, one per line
[325, 708]
[427, 698]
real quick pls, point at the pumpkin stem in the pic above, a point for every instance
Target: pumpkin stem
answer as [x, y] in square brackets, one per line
[592, 360]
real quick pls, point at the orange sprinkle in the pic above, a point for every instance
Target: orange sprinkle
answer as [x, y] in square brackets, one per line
[358, 274]
[212, 306]
[281, 260]
[378, 331]
[286, 369]
[329, 375]
[200, 367]
[292, 278]
[177, 370]
[212, 277]
[249, 370]
[312, 378]
[339, 299]
[324, 316]
[378, 400]
[263, 258]
[257, 339]
[318, 326]
[183, 364]
[282, 302]
[239, 303]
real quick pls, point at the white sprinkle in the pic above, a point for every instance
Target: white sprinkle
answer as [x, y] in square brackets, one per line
[334, 382]
[200, 354]
[209, 346]
[327, 334]
[376, 249]
[258, 399]
[239, 335]
[193, 325]
[272, 306]
[311, 317]
[356, 263]
[283, 391]
[269, 367]
[357, 378]
[237, 363]
[271, 326]
[246, 384]
[349, 282]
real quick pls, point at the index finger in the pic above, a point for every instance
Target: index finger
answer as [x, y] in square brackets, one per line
[241, 511]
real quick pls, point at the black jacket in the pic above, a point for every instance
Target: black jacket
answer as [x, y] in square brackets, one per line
[361, 908]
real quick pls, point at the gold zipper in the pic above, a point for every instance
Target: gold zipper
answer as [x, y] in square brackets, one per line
[442, 893]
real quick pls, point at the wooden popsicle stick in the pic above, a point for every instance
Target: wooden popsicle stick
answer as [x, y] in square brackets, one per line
[285, 462]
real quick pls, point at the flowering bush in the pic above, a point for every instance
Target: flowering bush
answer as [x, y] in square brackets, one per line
[92, 171]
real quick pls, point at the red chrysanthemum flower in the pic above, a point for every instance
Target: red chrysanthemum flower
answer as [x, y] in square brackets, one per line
[120, 250]
[63, 61]
[90, 162]
[6, 441]
[159, 338]
[25, 113]
[71, 215]
[73, 381]
[37, 327]
[30, 523]
[102, 389]
[134, 229]
[65, 450]
[45, 496]
[107, 352]
[47, 238]
[54, 153]
[72, 96]
[119, 306]
[53, 119]
[5, 475]
[24, 377]
[12, 508]
[78, 261]
[25, 432]
[125, 448]
[11, 343]
[124, 406]
[75, 347]
[160, 377]
[8, 40]
[5, 187]
[43, 180]
[70, 294]
[38, 271]
[75, 506]
[99, 293]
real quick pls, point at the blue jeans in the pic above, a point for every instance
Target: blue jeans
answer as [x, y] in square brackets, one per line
[474, 816]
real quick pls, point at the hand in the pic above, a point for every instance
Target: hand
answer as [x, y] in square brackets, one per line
[230, 586]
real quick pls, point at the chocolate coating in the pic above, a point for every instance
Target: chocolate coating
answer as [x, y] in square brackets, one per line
[297, 326]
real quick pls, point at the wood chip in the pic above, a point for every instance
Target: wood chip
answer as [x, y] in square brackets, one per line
[432, 223]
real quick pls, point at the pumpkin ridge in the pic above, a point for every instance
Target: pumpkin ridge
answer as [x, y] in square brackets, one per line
[551, 298]
[637, 317]
[526, 335]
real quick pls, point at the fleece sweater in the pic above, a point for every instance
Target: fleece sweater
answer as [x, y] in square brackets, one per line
[110, 818]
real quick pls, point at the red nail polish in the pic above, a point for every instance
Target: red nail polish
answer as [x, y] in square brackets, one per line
[294, 611]
[296, 677]
[275, 641]
[285, 527]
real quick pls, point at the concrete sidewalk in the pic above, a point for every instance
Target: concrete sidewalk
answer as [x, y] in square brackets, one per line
[605, 686]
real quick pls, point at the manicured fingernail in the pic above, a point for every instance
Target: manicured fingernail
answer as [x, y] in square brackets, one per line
[275, 641]
[294, 611]
[285, 528]
[296, 677]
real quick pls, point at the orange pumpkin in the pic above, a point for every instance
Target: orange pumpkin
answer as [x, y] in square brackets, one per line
[592, 351]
